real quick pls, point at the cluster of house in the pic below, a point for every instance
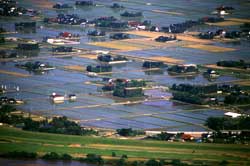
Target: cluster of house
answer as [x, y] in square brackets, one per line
[63, 38]
[181, 27]
[62, 49]
[96, 33]
[10, 8]
[220, 33]
[70, 19]
[68, 36]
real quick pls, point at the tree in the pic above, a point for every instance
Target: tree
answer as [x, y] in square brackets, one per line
[31, 125]
[121, 162]
[153, 162]
[66, 157]
[51, 156]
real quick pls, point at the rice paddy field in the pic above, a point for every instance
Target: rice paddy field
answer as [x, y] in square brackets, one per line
[93, 107]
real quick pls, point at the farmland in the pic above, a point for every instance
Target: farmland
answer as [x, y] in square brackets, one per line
[15, 139]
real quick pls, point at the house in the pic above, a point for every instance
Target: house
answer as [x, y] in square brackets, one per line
[232, 114]
[211, 73]
[56, 97]
[72, 97]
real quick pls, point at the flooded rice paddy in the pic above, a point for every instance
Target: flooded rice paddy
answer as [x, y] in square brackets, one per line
[94, 108]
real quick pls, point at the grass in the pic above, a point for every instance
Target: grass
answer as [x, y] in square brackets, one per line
[14, 139]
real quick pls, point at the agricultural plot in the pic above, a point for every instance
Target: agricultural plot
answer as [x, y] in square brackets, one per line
[13, 139]
[13, 73]
[231, 22]
[210, 48]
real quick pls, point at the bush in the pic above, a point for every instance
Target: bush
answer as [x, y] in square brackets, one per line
[224, 163]
[113, 154]
[51, 156]
[94, 158]
[129, 132]
[153, 162]
[124, 156]
[121, 162]
[66, 157]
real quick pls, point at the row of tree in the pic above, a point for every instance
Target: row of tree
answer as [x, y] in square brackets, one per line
[237, 98]
[129, 132]
[93, 159]
[195, 89]
[238, 64]
[60, 125]
[227, 123]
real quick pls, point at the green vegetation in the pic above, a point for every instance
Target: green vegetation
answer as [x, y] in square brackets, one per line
[99, 69]
[228, 130]
[93, 158]
[7, 117]
[55, 156]
[163, 136]
[60, 125]
[19, 154]
[200, 94]
[2, 40]
[237, 98]
[226, 123]
[191, 98]
[128, 88]
[152, 64]
[238, 64]
[34, 66]
[14, 139]
[110, 58]
[178, 69]
[129, 132]
[121, 91]
[195, 89]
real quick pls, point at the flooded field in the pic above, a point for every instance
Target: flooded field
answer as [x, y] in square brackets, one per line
[94, 108]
